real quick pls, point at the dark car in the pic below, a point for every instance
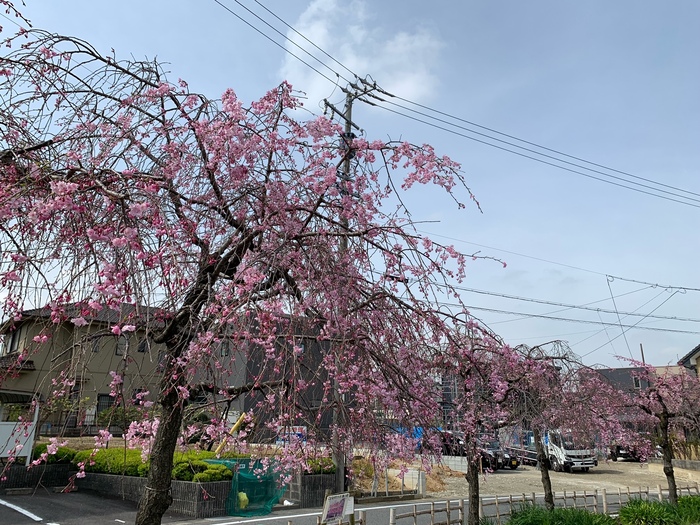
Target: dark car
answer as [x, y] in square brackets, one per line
[493, 456]
[452, 443]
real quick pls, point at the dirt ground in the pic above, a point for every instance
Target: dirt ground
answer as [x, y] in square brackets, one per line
[527, 479]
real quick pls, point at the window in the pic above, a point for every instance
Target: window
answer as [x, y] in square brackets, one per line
[104, 402]
[12, 341]
[143, 345]
[122, 345]
[637, 383]
[96, 344]
[225, 348]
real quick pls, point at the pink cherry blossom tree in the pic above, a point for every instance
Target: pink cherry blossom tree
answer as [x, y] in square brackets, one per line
[552, 390]
[481, 371]
[671, 402]
[217, 222]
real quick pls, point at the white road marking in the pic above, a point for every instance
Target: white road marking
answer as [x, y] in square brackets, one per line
[21, 510]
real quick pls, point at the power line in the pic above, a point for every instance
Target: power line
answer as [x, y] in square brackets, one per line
[607, 275]
[630, 327]
[550, 156]
[535, 158]
[280, 45]
[569, 320]
[575, 307]
[465, 121]
[542, 147]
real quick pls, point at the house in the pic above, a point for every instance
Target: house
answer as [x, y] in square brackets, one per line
[625, 379]
[70, 364]
[691, 360]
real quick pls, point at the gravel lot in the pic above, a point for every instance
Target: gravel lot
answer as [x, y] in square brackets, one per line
[527, 479]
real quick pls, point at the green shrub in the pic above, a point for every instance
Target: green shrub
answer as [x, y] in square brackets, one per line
[203, 477]
[642, 512]
[534, 515]
[322, 465]
[128, 462]
[62, 455]
[191, 470]
[111, 461]
[689, 509]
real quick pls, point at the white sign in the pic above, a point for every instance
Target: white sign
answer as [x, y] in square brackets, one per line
[337, 506]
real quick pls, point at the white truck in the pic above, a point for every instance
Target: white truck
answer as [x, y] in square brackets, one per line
[564, 453]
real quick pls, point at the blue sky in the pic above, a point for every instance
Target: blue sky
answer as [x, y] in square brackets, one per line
[614, 83]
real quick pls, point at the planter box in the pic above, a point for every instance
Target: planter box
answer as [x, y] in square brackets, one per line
[196, 500]
[51, 475]
[309, 490]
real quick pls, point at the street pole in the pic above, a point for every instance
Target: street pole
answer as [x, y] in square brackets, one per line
[339, 459]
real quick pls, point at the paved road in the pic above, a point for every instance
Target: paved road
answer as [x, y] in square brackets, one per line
[75, 508]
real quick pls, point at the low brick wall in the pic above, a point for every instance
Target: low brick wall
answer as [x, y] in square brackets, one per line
[196, 500]
[51, 475]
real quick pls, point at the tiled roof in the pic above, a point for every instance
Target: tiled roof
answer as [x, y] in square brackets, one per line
[10, 362]
[129, 313]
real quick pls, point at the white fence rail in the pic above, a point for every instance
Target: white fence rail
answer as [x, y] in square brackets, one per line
[499, 508]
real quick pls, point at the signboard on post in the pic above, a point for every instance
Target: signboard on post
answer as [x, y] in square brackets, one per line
[337, 506]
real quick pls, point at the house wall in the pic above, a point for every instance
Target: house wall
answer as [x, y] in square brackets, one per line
[83, 355]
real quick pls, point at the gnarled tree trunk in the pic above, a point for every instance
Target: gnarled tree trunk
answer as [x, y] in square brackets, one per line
[667, 450]
[473, 471]
[543, 462]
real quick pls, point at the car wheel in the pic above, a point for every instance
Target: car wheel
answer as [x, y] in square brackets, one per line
[554, 462]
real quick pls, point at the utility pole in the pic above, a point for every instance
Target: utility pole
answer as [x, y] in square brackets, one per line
[345, 176]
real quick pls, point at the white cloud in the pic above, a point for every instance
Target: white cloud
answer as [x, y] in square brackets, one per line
[401, 60]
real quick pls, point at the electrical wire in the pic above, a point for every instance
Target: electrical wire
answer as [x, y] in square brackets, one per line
[474, 139]
[628, 329]
[377, 102]
[558, 159]
[228, 9]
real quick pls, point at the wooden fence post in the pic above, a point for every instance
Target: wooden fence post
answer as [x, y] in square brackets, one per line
[605, 501]
[392, 516]
[363, 517]
[481, 508]
[462, 514]
[595, 505]
[498, 514]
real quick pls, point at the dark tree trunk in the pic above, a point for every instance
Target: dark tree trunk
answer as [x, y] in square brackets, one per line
[156, 497]
[543, 462]
[667, 450]
[473, 471]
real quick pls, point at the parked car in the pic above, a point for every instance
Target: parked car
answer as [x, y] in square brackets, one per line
[492, 456]
[452, 443]
[510, 461]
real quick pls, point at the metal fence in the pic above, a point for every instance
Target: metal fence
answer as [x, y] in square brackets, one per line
[499, 508]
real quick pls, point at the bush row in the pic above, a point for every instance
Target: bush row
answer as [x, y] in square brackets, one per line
[636, 512]
[187, 466]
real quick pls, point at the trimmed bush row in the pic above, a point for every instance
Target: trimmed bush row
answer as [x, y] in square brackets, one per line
[187, 466]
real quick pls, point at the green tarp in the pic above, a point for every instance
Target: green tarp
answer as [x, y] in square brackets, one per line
[252, 493]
